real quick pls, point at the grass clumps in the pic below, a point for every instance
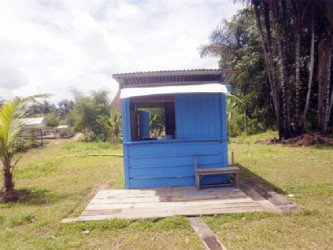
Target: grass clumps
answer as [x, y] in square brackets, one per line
[176, 222]
[57, 181]
[23, 219]
[77, 170]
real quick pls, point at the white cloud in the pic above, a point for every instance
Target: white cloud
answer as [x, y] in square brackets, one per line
[48, 45]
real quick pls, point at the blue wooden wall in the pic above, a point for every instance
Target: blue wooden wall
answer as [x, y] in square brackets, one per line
[198, 116]
[200, 128]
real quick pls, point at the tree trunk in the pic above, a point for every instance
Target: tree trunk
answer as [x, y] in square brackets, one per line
[311, 69]
[324, 54]
[330, 108]
[8, 180]
[268, 55]
[321, 82]
[328, 101]
[286, 133]
[299, 8]
[325, 50]
[297, 81]
[329, 88]
[113, 136]
[272, 69]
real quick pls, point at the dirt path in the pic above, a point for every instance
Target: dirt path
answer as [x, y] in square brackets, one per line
[77, 136]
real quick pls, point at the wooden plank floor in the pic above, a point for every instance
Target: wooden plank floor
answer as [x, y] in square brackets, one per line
[164, 202]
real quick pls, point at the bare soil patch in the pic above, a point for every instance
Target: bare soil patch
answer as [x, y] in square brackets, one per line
[77, 136]
[306, 140]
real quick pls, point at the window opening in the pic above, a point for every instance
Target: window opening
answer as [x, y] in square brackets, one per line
[153, 118]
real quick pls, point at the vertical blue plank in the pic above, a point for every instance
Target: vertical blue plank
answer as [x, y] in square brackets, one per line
[205, 116]
[223, 116]
[215, 109]
[224, 129]
[181, 113]
[125, 110]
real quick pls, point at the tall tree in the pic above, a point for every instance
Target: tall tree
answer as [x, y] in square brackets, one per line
[325, 51]
[88, 109]
[299, 8]
[65, 107]
[311, 69]
[262, 13]
[42, 108]
[288, 17]
[294, 34]
[278, 9]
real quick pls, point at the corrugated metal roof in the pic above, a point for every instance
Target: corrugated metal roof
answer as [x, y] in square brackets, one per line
[38, 122]
[174, 77]
[33, 121]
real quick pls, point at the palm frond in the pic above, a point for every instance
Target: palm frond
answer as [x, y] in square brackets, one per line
[212, 50]
[34, 98]
[11, 124]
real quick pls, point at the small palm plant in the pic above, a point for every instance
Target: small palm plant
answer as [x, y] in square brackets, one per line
[11, 125]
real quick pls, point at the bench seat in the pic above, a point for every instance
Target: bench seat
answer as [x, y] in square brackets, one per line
[201, 172]
[212, 171]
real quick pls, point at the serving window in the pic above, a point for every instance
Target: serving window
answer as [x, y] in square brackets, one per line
[152, 118]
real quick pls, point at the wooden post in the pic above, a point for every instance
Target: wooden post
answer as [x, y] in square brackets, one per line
[41, 136]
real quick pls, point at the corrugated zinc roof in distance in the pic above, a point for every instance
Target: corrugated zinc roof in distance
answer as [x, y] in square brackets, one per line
[174, 77]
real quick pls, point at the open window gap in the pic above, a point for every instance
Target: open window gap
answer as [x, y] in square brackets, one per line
[153, 118]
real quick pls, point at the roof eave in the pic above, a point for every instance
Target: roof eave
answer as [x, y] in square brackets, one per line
[172, 78]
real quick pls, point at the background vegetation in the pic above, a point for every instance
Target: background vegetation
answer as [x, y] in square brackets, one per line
[283, 53]
[92, 115]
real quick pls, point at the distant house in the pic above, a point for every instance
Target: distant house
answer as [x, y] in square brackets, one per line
[64, 131]
[168, 118]
[34, 129]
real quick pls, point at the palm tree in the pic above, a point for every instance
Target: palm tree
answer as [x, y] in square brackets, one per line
[11, 124]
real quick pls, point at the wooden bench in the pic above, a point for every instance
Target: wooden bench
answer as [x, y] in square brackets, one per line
[202, 172]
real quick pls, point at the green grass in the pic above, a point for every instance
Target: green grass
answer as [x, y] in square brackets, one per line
[306, 173]
[57, 181]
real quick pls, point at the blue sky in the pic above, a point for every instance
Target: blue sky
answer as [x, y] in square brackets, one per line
[47, 46]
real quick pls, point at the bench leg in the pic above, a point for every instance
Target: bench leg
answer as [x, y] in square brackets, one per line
[235, 180]
[197, 181]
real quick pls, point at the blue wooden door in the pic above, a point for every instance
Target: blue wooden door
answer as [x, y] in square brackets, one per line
[144, 124]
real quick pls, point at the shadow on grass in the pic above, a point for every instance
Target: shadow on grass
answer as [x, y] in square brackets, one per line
[322, 147]
[33, 197]
[247, 175]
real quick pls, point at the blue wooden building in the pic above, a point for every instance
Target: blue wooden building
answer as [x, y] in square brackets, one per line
[168, 117]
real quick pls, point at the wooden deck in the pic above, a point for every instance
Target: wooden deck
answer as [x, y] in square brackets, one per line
[187, 201]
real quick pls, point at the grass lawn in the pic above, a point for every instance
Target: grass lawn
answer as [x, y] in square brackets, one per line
[58, 180]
